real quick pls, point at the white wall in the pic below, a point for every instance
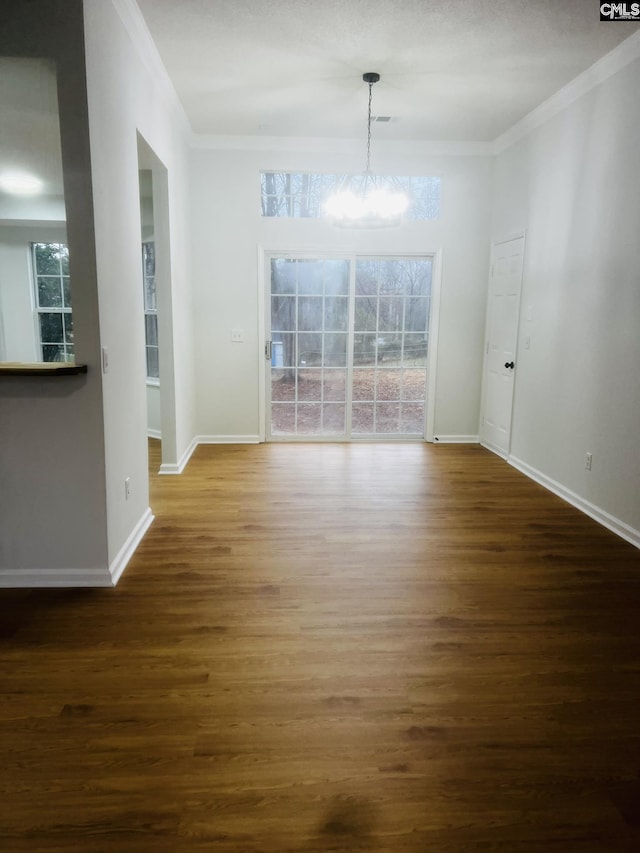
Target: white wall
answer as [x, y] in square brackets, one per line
[154, 418]
[15, 210]
[68, 444]
[125, 97]
[18, 330]
[227, 230]
[52, 477]
[574, 184]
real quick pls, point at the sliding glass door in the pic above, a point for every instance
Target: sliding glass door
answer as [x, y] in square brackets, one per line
[347, 352]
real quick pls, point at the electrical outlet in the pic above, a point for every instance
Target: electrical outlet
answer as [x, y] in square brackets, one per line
[588, 460]
[237, 336]
[127, 488]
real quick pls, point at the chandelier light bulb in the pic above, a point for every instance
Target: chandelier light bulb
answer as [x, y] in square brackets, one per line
[378, 208]
[386, 203]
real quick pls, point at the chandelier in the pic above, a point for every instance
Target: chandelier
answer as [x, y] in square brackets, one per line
[366, 202]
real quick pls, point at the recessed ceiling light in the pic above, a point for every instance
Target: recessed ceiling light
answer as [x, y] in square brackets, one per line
[19, 183]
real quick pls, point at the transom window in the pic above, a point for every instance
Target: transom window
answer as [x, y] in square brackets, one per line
[301, 195]
[53, 300]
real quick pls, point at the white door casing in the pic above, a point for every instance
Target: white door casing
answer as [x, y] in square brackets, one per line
[503, 312]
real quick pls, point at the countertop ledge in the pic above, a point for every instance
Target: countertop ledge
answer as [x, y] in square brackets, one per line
[54, 368]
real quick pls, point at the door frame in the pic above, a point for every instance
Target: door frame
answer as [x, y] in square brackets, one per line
[264, 281]
[148, 159]
[517, 235]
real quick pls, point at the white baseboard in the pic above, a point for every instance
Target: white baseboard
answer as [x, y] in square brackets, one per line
[127, 551]
[36, 578]
[54, 578]
[206, 439]
[625, 531]
[58, 578]
[228, 439]
[456, 439]
[154, 433]
[494, 449]
[168, 468]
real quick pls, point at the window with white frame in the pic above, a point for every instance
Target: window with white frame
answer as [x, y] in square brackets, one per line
[301, 195]
[53, 300]
[150, 310]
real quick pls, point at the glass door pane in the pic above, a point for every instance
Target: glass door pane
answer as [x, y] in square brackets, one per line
[391, 329]
[309, 350]
[349, 347]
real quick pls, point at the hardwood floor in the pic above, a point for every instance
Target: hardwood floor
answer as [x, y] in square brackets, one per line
[398, 648]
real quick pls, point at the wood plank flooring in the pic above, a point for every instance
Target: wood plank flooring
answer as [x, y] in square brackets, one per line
[394, 647]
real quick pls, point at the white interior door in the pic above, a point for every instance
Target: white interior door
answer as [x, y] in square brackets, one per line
[503, 311]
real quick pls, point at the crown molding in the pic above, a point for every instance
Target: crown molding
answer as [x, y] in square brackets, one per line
[611, 63]
[136, 26]
[221, 142]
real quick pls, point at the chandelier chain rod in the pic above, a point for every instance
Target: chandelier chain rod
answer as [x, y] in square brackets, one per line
[369, 130]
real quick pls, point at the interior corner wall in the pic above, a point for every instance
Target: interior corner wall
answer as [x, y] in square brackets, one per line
[228, 230]
[574, 185]
[52, 494]
[125, 98]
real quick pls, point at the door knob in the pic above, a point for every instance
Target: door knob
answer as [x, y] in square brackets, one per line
[509, 364]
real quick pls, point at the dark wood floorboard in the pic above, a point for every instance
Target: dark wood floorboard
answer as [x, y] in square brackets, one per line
[397, 648]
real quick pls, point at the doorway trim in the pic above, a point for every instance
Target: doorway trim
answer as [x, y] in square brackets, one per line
[148, 159]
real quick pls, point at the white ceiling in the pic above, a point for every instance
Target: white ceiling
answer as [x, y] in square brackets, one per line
[462, 70]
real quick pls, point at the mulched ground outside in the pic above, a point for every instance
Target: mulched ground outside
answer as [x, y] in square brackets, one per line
[387, 401]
